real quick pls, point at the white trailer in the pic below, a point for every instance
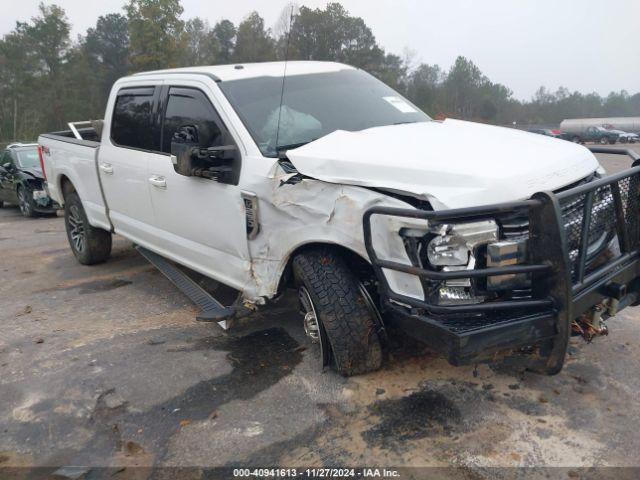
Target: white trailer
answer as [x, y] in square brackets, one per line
[579, 125]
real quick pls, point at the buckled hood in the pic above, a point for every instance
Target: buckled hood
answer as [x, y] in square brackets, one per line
[453, 164]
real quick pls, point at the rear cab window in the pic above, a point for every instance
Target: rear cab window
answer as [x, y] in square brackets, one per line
[133, 124]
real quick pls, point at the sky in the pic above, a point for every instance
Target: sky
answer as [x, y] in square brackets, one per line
[584, 45]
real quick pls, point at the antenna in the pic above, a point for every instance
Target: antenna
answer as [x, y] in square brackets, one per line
[284, 75]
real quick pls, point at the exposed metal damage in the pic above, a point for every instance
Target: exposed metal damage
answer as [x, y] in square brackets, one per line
[298, 208]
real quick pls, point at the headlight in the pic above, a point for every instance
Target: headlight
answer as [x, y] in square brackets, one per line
[39, 194]
[453, 245]
[447, 250]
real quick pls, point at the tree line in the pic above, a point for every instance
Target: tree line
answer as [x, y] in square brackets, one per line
[47, 78]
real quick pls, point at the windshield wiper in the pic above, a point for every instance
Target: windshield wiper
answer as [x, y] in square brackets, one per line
[282, 148]
[405, 123]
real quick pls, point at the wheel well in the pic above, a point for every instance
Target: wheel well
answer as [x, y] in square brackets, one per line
[66, 187]
[356, 263]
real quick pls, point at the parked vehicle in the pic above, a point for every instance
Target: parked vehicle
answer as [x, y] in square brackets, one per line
[595, 135]
[624, 137]
[548, 132]
[22, 180]
[330, 182]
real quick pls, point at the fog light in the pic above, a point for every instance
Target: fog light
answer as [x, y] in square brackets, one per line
[457, 296]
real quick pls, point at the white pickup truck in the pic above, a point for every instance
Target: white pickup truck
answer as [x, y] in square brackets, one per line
[475, 239]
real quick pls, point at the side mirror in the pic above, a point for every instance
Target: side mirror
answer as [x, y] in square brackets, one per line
[182, 158]
[183, 144]
[214, 163]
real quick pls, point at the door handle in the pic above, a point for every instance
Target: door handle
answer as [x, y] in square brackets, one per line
[106, 168]
[158, 181]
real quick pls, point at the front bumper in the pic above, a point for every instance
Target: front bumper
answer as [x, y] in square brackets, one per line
[563, 288]
[42, 202]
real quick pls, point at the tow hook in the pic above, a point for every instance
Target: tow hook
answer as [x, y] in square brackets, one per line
[591, 324]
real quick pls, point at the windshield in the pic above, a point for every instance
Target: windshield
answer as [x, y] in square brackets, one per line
[315, 105]
[28, 158]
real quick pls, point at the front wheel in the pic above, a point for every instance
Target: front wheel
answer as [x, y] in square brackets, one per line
[25, 202]
[90, 245]
[337, 314]
[604, 141]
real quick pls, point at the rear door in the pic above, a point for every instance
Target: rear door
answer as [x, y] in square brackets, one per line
[202, 222]
[123, 161]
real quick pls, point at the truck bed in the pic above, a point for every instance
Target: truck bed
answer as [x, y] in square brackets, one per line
[68, 159]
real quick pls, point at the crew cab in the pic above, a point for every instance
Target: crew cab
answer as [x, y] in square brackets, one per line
[477, 240]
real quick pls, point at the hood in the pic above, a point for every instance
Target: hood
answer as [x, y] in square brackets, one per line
[34, 172]
[453, 164]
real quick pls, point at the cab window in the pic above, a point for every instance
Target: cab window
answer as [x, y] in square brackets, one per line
[190, 107]
[132, 125]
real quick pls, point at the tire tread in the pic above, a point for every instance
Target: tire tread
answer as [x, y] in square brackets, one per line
[342, 310]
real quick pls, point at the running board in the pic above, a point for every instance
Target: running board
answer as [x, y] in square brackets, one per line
[212, 309]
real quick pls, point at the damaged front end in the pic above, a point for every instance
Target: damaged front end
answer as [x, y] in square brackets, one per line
[489, 279]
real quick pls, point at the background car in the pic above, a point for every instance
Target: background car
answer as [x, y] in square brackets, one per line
[624, 137]
[549, 132]
[595, 135]
[22, 180]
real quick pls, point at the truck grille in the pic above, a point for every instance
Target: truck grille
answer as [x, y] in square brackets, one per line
[601, 229]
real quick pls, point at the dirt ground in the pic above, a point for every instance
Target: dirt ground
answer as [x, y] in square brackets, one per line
[106, 366]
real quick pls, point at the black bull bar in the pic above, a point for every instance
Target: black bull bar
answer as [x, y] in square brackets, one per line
[563, 285]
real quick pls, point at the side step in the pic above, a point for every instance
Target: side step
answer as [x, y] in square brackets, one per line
[212, 309]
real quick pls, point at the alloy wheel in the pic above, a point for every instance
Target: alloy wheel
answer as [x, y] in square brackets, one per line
[312, 326]
[23, 203]
[76, 229]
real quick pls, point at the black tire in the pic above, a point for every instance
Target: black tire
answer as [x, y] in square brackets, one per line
[604, 140]
[26, 203]
[575, 139]
[342, 310]
[612, 140]
[90, 245]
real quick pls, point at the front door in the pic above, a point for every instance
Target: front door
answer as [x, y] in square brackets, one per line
[123, 162]
[201, 222]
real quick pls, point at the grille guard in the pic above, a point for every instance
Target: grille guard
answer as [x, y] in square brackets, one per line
[563, 288]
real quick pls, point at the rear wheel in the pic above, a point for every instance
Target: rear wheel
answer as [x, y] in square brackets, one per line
[25, 202]
[575, 139]
[89, 244]
[337, 314]
[604, 140]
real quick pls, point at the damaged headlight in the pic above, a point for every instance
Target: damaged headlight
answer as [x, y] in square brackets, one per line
[452, 247]
[446, 250]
